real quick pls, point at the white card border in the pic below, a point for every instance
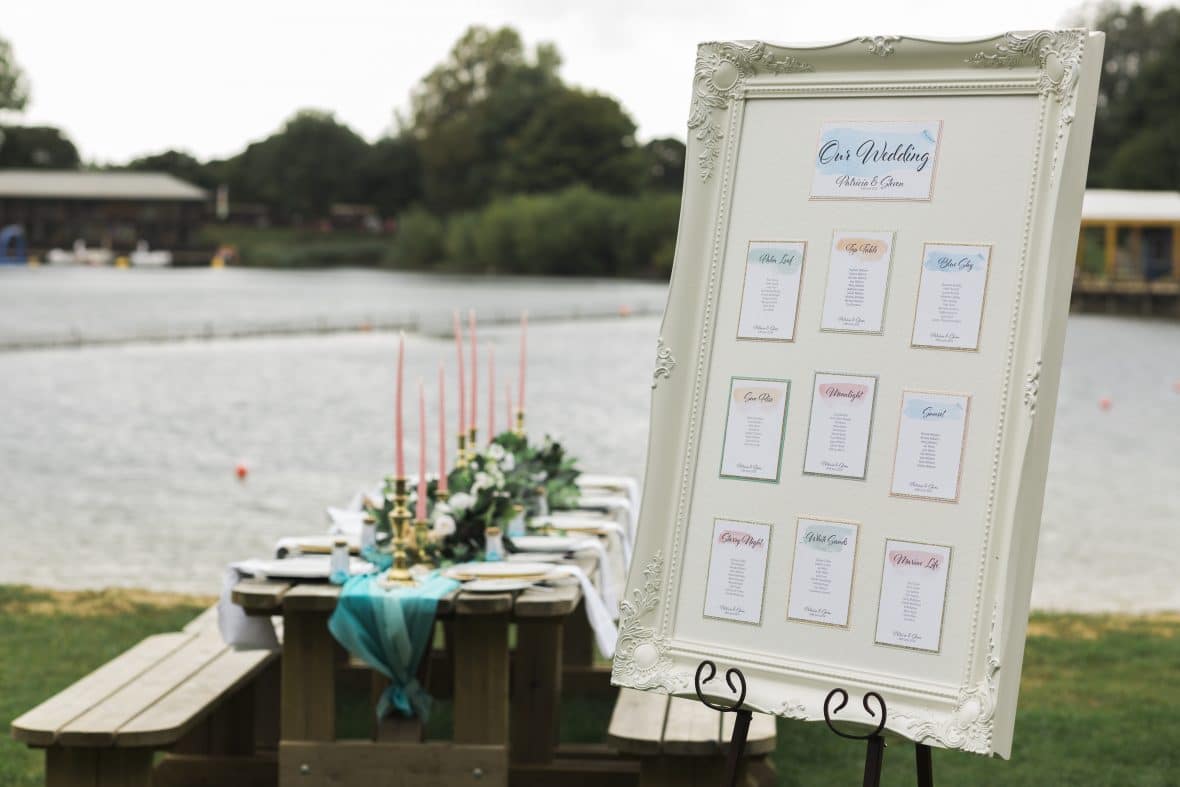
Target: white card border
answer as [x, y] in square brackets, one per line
[982, 304]
[798, 295]
[888, 284]
[933, 174]
[765, 571]
[962, 448]
[945, 595]
[847, 626]
[811, 414]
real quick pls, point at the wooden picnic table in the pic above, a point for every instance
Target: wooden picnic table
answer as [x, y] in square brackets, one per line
[506, 720]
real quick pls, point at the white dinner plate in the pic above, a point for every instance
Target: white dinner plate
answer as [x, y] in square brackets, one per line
[498, 570]
[303, 567]
[545, 543]
[496, 585]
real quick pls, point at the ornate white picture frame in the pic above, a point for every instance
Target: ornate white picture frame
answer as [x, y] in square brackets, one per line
[1015, 114]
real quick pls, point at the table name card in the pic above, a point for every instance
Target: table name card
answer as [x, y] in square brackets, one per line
[821, 578]
[950, 296]
[876, 160]
[770, 292]
[858, 276]
[930, 438]
[737, 570]
[841, 420]
[754, 428]
[913, 594]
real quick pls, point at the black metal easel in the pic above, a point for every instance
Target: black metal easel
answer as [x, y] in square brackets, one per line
[875, 743]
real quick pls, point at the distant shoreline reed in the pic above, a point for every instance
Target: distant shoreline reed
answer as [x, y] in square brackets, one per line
[432, 326]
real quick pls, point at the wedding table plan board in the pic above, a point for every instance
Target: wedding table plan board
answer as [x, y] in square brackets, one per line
[856, 375]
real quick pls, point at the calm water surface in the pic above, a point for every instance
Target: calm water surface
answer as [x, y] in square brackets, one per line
[116, 460]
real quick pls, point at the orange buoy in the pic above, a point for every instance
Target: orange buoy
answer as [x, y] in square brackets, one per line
[241, 471]
[1105, 403]
[1176, 386]
[624, 310]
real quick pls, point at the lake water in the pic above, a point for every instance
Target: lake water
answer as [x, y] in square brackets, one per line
[117, 457]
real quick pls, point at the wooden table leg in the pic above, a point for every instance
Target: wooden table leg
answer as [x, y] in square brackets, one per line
[481, 678]
[106, 767]
[578, 639]
[536, 690]
[309, 681]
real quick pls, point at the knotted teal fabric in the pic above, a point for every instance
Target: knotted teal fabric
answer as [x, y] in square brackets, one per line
[390, 630]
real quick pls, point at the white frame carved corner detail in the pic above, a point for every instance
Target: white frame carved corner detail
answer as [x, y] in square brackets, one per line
[641, 657]
[722, 69]
[969, 726]
[1032, 387]
[665, 362]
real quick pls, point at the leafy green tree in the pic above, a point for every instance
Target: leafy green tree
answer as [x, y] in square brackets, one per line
[36, 147]
[177, 163]
[14, 86]
[311, 163]
[1138, 120]
[663, 164]
[573, 137]
[466, 111]
[391, 175]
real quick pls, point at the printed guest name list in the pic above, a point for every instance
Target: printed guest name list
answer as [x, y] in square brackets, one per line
[821, 579]
[752, 447]
[913, 593]
[737, 570]
[770, 294]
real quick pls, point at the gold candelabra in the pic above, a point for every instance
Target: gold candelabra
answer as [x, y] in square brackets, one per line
[520, 422]
[422, 538]
[471, 434]
[461, 457]
[399, 520]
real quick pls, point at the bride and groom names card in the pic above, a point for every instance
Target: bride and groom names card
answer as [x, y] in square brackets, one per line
[876, 160]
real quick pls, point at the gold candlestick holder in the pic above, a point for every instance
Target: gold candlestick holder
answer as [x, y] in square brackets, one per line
[471, 435]
[399, 520]
[422, 538]
[520, 423]
[461, 456]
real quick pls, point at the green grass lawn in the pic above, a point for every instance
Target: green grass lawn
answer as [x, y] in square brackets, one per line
[1100, 700]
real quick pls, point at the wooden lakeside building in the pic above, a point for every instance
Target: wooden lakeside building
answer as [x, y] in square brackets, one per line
[105, 210]
[1129, 253]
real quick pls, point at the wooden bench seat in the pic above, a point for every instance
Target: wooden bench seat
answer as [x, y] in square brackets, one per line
[185, 691]
[681, 742]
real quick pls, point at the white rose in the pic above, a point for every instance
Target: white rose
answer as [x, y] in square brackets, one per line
[482, 481]
[509, 463]
[496, 451]
[461, 501]
[443, 526]
[442, 508]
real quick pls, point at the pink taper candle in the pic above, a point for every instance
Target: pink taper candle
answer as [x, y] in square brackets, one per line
[442, 430]
[399, 436]
[491, 393]
[421, 508]
[508, 404]
[524, 326]
[462, 386]
[473, 421]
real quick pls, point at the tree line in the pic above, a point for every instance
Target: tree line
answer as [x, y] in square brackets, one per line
[494, 141]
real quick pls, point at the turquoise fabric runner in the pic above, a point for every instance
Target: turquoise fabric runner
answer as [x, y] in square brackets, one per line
[390, 630]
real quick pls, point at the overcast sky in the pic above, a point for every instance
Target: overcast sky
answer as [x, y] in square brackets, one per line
[128, 77]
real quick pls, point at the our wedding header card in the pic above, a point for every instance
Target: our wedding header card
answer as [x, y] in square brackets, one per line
[876, 160]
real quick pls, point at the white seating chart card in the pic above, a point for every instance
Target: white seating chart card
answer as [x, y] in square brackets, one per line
[883, 231]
